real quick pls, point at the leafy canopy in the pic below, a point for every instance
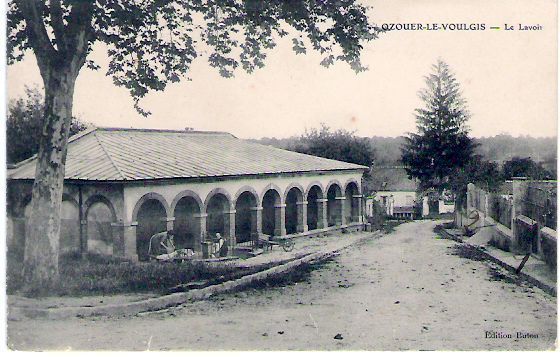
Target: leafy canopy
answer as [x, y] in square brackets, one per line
[339, 145]
[24, 124]
[525, 167]
[153, 43]
[441, 144]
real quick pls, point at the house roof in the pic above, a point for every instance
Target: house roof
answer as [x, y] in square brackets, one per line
[117, 154]
[392, 178]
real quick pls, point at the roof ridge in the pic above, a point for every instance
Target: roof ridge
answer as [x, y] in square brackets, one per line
[109, 157]
[148, 130]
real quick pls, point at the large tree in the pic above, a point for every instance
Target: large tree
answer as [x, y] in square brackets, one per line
[152, 43]
[25, 123]
[441, 144]
[339, 145]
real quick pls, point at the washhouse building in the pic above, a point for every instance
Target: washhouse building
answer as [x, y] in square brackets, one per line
[124, 185]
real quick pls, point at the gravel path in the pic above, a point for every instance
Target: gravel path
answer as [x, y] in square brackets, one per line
[407, 290]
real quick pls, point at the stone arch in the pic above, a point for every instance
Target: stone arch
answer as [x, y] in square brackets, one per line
[214, 192]
[294, 217]
[246, 205]
[147, 197]
[274, 188]
[352, 203]
[183, 194]
[186, 208]
[334, 204]
[99, 214]
[290, 187]
[69, 225]
[311, 185]
[353, 180]
[151, 215]
[100, 198]
[244, 189]
[314, 208]
[332, 182]
[218, 208]
[271, 217]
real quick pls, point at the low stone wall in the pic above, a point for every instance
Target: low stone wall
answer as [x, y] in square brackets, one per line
[524, 234]
[501, 236]
[548, 247]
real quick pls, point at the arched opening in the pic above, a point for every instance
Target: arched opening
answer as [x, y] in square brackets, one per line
[99, 217]
[334, 206]
[218, 215]
[151, 220]
[244, 227]
[69, 227]
[313, 218]
[293, 219]
[352, 203]
[186, 224]
[270, 199]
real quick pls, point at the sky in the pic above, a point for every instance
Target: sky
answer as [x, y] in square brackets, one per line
[507, 77]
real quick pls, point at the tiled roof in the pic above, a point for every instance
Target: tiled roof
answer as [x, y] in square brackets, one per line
[114, 154]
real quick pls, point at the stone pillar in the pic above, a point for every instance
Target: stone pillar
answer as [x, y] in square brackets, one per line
[520, 187]
[230, 226]
[200, 221]
[129, 238]
[359, 216]
[340, 219]
[280, 220]
[256, 223]
[83, 237]
[117, 232]
[470, 189]
[169, 222]
[322, 219]
[302, 217]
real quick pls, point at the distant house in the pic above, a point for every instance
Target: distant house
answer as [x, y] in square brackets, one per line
[394, 191]
[122, 186]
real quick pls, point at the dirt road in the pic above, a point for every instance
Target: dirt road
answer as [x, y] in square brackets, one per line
[404, 291]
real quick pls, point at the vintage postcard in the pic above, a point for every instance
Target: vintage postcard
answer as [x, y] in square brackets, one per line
[244, 175]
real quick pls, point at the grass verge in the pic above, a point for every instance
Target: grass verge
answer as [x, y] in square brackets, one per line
[96, 275]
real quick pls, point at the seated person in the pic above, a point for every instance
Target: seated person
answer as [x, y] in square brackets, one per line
[162, 243]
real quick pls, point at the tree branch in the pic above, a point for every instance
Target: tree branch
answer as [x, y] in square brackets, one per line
[36, 31]
[58, 25]
[80, 32]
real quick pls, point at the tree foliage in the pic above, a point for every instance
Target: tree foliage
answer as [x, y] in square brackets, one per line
[339, 145]
[441, 144]
[153, 43]
[483, 173]
[525, 167]
[24, 124]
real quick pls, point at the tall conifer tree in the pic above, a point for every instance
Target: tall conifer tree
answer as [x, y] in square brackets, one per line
[441, 144]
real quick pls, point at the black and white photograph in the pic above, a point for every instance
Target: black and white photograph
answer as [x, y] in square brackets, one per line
[280, 175]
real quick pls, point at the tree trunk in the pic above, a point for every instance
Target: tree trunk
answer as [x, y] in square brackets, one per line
[43, 226]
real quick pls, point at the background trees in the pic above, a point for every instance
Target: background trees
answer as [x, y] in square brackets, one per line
[441, 144]
[150, 44]
[525, 167]
[24, 124]
[339, 145]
